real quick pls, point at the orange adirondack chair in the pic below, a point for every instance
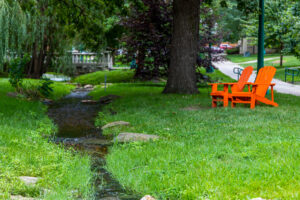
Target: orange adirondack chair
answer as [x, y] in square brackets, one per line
[259, 89]
[224, 95]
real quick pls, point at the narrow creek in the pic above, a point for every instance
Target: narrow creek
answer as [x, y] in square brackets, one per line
[75, 117]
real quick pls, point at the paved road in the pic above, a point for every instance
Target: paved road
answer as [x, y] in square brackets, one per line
[281, 86]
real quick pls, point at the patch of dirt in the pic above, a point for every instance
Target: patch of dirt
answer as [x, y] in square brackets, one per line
[196, 107]
[278, 61]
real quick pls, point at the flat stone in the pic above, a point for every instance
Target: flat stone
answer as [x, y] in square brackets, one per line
[148, 197]
[28, 180]
[117, 123]
[132, 137]
[20, 198]
[88, 87]
[87, 101]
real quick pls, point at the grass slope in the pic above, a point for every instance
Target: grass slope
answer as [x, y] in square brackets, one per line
[205, 153]
[25, 152]
[98, 77]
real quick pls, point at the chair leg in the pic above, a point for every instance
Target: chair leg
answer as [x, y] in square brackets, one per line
[233, 105]
[252, 104]
[225, 100]
[214, 103]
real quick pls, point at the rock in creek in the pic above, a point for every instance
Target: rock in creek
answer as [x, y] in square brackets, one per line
[88, 87]
[88, 101]
[28, 180]
[133, 137]
[147, 197]
[113, 124]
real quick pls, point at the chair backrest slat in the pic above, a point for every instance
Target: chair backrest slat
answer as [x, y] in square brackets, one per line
[263, 79]
[243, 79]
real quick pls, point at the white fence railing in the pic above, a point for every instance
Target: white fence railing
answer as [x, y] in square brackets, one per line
[98, 60]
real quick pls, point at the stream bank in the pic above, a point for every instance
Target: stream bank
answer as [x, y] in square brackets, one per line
[74, 115]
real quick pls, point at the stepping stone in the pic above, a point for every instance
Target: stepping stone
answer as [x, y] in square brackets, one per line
[28, 180]
[147, 197]
[87, 101]
[88, 87]
[117, 123]
[132, 137]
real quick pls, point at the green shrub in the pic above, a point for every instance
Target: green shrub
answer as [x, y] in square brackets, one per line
[45, 88]
[16, 71]
[233, 51]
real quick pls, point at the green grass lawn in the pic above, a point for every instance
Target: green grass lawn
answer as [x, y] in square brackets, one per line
[240, 58]
[98, 77]
[204, 153]
[289, 61]
[26, 151]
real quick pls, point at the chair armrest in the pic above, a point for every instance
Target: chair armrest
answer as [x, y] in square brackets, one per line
[222, 83]
[256, 84]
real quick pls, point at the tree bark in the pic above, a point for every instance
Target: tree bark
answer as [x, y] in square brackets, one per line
[140, 63]
[182, 71]
[281, 55]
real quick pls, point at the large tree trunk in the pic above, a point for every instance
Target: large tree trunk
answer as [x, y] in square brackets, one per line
[139, 73]
[182, 71]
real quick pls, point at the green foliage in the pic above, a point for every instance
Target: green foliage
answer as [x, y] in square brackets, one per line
[96, 78]
[45, 88]
[233, 51]
[25, 150]
[204, 153]
[16, 71]
[281, 26]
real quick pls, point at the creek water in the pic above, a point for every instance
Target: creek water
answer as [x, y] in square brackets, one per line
[75, 120]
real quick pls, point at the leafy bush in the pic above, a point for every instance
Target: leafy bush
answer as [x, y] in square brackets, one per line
[29, 90]
[33, 90]
[233, 51]
[16, 71]
[45, 88]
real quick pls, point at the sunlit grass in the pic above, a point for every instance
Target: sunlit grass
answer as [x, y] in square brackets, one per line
[240, 58]
[204, 153]
[98, 77]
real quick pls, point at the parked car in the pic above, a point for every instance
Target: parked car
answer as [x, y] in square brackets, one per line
[225, 46]
[215, 50]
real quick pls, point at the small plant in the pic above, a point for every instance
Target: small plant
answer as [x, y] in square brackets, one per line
[16, 71]
[33, 90]
[45, 88]
[29, 90]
